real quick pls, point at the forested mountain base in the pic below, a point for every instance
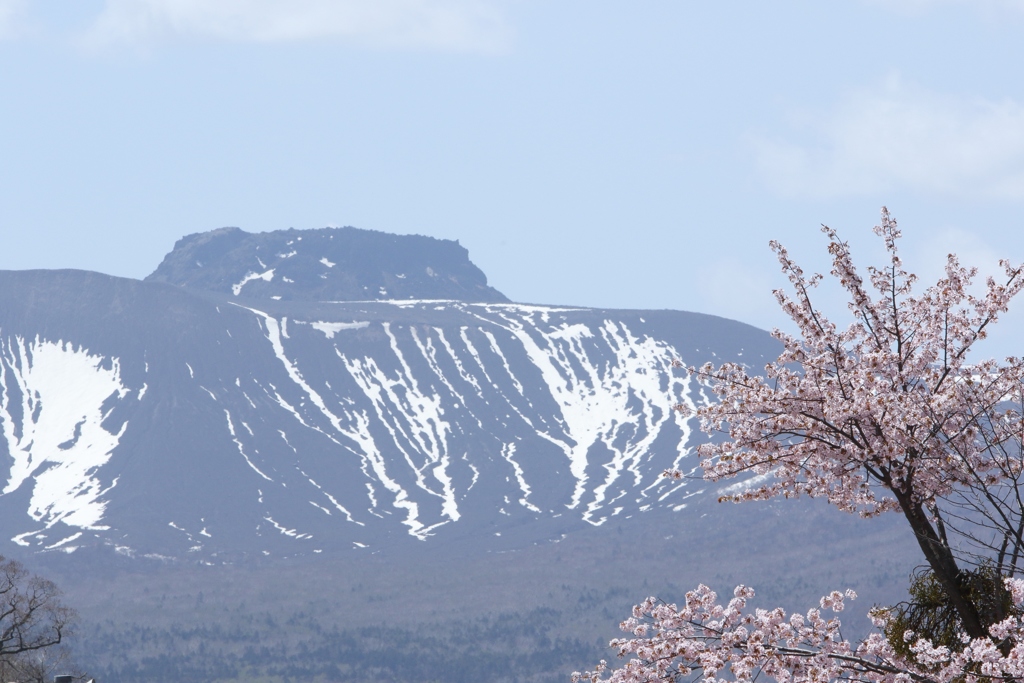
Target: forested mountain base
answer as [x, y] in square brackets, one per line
[258, 647]
[428, 613]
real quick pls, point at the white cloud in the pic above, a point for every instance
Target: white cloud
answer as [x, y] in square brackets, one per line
[446, 24]
[900, 137]
[11, 13]
[919, 6]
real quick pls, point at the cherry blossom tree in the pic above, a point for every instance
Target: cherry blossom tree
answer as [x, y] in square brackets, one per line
[888, 414]
[704, 639]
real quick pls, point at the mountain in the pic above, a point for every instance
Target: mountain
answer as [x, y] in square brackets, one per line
[332, 264]
[275, 459]
[160, 421]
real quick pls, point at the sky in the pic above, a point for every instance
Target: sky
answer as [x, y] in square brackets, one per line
[609, 154]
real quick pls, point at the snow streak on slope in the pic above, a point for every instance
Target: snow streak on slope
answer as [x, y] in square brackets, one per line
[621, 401]
[507, 452]
[353, 428]
[322, 426]
[537, 386]
[413, 418]
[54, 400]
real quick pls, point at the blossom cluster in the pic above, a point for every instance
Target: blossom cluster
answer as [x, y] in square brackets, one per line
[706, 641]
[888, 413]
[888, 406]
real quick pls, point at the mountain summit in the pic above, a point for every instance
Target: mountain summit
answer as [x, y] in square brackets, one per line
[331, 264]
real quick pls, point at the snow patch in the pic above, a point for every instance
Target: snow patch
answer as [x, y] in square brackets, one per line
[234, 437]
[266, 276]
[745, 485]
[507, 452]
[331, 329]
[54, 400]
[292, 533]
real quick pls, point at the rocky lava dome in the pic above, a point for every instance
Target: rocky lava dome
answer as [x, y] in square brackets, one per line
[331, 264]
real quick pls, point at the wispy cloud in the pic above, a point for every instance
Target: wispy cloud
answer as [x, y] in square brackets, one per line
[917, 6]
[475, 25]
[899, 137]
[11, 14]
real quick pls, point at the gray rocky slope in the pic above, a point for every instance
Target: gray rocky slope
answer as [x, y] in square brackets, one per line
[156, 420]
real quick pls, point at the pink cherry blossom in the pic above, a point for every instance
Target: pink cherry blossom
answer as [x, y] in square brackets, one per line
[887, 414]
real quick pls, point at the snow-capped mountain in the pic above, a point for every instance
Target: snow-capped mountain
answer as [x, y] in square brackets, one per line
[229, 420]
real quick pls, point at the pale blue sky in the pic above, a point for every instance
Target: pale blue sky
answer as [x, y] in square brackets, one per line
[614, 154]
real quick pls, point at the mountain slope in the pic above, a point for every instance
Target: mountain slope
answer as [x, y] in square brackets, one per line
[232, 479]
[157, 421]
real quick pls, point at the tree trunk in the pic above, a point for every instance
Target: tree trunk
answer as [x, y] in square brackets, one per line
[943, 563]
